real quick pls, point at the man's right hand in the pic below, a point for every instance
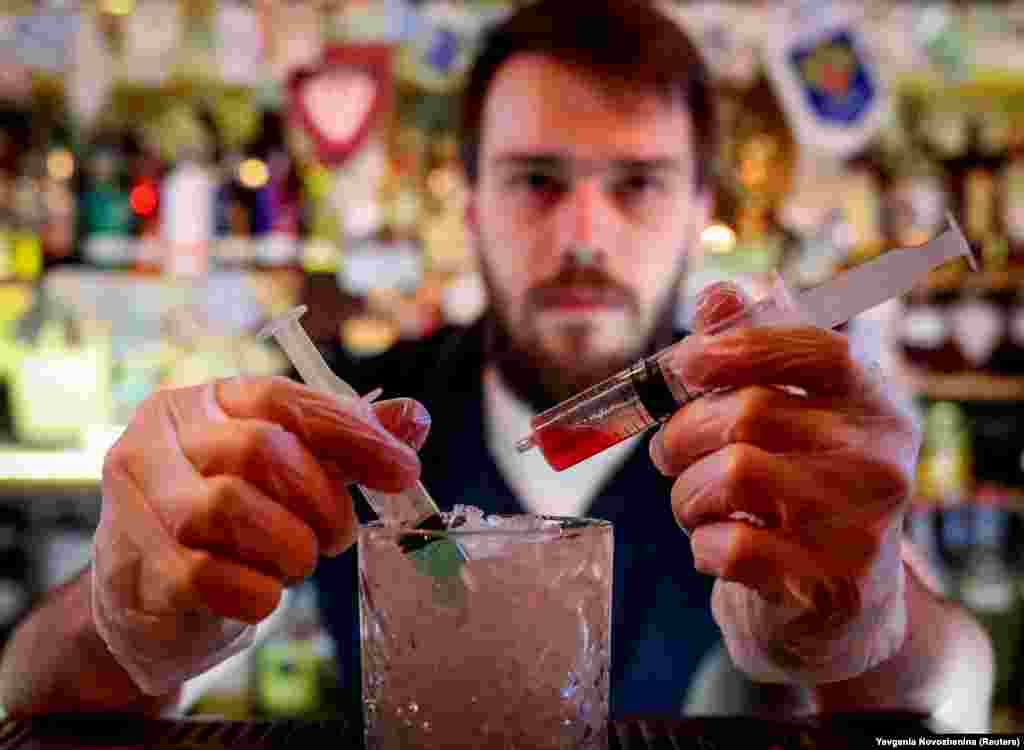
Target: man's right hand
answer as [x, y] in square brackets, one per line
[218, 496]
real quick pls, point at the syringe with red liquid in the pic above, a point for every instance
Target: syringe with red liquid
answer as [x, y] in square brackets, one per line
[652, 390]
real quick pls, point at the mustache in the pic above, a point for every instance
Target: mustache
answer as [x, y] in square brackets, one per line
[592, 282]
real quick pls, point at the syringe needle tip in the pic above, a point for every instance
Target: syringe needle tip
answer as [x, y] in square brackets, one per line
[525, 444]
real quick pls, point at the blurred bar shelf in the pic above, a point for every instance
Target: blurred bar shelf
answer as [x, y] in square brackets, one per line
[73, 468]
[22, 468]
[959, 386]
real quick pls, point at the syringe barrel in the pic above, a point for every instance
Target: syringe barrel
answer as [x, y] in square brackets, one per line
[593, 420]
[626, 404]
[639, 397]
[612, 411]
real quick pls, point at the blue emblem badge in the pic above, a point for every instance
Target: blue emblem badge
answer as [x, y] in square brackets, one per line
[834, 79]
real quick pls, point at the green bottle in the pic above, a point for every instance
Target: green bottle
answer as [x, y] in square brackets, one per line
[294, 670]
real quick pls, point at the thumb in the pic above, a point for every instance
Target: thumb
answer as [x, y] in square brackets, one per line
[717, 303]
[406, 419]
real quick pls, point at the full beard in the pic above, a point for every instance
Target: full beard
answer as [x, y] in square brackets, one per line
[540, 380]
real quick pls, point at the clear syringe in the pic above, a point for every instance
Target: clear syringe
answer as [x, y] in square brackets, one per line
[412, 507]
[651, 391]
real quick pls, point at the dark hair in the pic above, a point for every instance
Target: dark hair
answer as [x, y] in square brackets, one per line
[625, 42]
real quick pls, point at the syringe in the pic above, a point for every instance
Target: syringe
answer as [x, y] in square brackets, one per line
[651, 391]
[412, 507]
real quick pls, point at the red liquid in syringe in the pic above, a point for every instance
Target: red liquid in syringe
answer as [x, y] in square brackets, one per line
[567, 446]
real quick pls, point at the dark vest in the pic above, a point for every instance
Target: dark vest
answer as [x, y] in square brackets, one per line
[661, 624]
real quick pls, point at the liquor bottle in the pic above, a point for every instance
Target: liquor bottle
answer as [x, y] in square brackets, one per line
[949, 475]
[29, 216]
[1008, 358]
[916, 199]
[920, 525]
[294, 670]
[446, 248]
[925, 335]
[983, 190]
[763, 162]
[322, 248]
[6, 224]
[187, 213]
[862, 209]
[234, 205]
[144, 191]
[885, 178]
[403, 187]
[973, 189]
[277, 190]
[1014, 554]
[1012, 194]
[58, 231]
[977, 324]
[144, 198]
[280, 246]
[107, 222]
[944, 133]
[988, 587]
[941, 127]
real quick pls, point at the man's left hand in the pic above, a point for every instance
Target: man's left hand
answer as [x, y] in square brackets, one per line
[792, 475]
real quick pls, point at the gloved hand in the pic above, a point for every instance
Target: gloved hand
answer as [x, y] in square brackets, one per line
[792, 482]
[218, 496]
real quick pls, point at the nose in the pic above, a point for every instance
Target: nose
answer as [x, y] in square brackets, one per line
[584, 217]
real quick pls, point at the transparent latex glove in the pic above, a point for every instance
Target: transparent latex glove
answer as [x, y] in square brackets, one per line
[218, 496]
[791, 479]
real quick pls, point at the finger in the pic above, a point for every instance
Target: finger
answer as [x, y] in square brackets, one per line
[718, 309]
[158, 575]
[230, 589]
[240, 523]
[185, 580]
[769, 418]
[806, 494]
[406, 419]
[346, 432]
[816, 360]
[718, 303]
[781, 570]
[277, 463]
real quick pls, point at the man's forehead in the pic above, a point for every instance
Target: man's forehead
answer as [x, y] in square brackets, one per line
[536, 104]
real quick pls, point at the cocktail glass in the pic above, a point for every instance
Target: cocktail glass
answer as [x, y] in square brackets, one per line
[510, 648]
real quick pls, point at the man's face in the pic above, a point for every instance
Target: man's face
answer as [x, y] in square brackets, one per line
[583, 211]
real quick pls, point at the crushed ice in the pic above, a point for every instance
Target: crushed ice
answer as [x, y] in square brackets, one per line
[472, 518]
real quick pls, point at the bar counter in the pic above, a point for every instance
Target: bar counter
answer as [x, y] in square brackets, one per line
[110, 732]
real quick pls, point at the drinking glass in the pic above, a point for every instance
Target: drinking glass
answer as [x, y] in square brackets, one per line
[505, 643]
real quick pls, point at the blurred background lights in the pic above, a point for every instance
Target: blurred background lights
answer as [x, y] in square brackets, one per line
[253, 173]
[117, 7]
[718, 239]
[143, 199]
[60, 164]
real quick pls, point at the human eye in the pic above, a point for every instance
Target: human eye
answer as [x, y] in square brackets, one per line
[535, 182]
[641, 185]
